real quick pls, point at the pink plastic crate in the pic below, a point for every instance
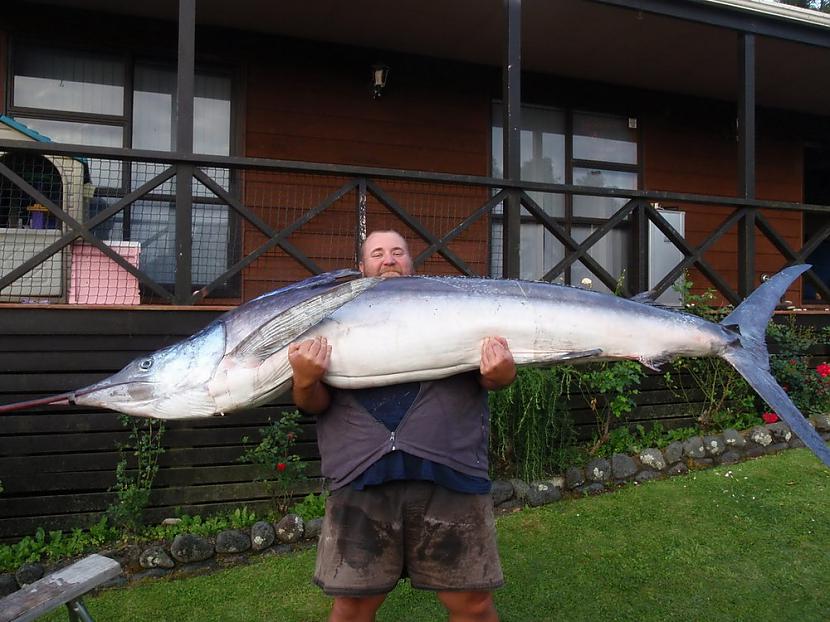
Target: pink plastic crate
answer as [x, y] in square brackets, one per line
[98, 280]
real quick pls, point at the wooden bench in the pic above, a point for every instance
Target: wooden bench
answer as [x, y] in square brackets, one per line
[64, 587]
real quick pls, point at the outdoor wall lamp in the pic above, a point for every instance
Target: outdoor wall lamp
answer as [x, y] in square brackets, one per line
[379, 74]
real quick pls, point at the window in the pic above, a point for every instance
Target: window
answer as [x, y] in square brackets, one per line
[110, 101]
[598, 150]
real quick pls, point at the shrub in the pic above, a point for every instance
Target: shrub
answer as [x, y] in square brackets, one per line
[281, 471]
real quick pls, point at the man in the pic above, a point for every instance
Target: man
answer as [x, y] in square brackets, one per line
[424, 513]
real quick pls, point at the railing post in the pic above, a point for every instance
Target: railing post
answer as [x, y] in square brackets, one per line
[362, 197]
[512, 124]
[640, 249]
[183, 121]
[746, 162]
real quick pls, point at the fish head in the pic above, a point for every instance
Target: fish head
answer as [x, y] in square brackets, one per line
[171, 383]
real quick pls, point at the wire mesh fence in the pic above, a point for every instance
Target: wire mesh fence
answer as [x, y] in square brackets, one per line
[101, 231]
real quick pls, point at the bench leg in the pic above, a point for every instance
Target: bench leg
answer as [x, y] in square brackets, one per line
[78, 611]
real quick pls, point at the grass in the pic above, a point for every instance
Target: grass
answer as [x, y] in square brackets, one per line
[746, 542]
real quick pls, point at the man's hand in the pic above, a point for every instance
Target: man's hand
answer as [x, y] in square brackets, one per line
[497, 368]
[309, 361]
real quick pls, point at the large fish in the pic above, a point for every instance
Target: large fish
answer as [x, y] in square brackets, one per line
[385, 331]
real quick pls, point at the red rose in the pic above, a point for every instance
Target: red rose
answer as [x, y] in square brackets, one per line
[769, 417]
[823, 370]
[281, 466]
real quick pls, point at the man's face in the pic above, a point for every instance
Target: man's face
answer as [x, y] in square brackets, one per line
[385, 253]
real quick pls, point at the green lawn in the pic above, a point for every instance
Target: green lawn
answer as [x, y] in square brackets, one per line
[746, 542]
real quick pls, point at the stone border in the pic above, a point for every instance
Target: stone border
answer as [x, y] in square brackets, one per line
[190, 554]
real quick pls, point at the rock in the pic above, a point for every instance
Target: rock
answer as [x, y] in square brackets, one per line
[280, 549]
[653, 457]
[501, 491]
[188, 548]
[733, 438]
[313, 528]
[693, 448]
[776, 447]
[674, 452]
[541, 493]
[574, 477]
[171, 521]
[753, 451]
[821, 422]
[796, 442]
[703, 462]
[760, 436]
[678, 469]
[520, 489]
[780, 431]
[8, 584]
[730, 457]
[623, 467]
[591, 489]
[232, 541]
[714, 445]
[28, 573]
[598, 470]
[155, 557]
[262, 535]
[289, 529]
[646, 475]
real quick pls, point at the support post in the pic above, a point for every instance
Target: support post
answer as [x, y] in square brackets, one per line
[183, 124]
[512, 124]
[746, 161]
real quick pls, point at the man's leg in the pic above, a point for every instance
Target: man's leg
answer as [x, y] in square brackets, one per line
[355, 609]
[469, 606]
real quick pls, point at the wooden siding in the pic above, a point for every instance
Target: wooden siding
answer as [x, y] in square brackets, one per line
[694, 151]
[57, 463]
[319, 109]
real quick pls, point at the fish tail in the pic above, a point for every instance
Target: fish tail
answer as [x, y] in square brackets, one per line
[749, 355]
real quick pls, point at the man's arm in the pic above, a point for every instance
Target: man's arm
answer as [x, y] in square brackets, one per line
[497, 368]
[309, 360]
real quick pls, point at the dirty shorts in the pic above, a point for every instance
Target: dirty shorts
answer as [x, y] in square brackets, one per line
[440, 539]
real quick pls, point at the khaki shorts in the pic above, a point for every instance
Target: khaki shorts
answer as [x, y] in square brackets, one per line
[442, 540]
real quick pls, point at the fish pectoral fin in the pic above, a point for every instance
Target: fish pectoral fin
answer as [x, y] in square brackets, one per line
[585, 354]
[652, 364]
[561, 357]
[279, 331]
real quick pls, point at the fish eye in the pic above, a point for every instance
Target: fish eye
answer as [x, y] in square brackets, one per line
[145, 364]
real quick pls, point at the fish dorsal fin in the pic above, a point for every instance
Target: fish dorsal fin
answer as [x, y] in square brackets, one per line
[285, 327]
[648, 297]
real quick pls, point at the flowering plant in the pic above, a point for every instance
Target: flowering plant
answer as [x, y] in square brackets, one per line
[769, 417]
[280, 469]
[808, 385]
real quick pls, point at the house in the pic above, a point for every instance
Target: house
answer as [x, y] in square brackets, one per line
[609, 143]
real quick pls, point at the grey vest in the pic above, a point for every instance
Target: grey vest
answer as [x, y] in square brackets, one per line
[448, 423]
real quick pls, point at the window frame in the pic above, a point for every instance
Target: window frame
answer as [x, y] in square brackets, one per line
[232, 288]
[568, 220]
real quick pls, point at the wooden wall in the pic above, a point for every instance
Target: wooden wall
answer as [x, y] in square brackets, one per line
[57, 463]
[315, 105]
[692, 149]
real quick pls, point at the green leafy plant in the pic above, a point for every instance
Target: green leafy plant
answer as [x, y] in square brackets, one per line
[808, 385]
[312, 506]
[721, 392]
[609, 390]
[281, 470]
[133, 485]
[531, 431]
[55, 545]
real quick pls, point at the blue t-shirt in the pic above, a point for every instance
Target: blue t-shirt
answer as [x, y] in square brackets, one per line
[389, 405]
